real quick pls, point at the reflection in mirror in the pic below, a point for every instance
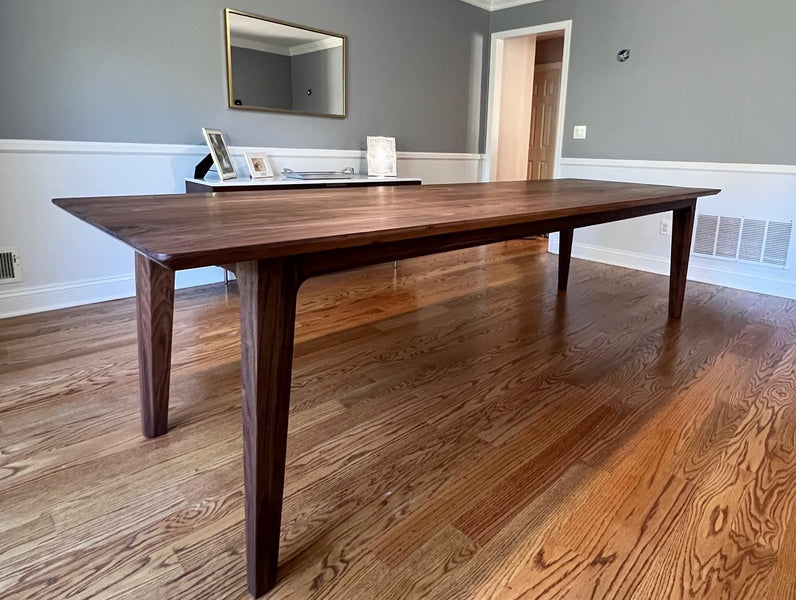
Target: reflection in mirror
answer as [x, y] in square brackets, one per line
[280, 67]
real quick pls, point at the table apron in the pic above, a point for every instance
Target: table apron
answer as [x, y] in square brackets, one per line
[332, 261]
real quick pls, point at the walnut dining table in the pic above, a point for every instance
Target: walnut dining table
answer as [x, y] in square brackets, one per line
[279, 239]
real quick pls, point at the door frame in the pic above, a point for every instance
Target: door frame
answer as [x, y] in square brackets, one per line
[496, 80]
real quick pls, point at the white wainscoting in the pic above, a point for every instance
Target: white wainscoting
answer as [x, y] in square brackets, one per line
[67, 263]
[758, 191]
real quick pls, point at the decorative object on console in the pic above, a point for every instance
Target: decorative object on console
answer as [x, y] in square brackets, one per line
[220, 153]
[347, 173]
[259, 165]
[382, 158]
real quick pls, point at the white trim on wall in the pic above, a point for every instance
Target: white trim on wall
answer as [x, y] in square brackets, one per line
[493, 5]
[678, 165]
[495, 81]
[115, 148]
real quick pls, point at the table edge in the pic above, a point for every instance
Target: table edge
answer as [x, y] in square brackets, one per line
[190, 260]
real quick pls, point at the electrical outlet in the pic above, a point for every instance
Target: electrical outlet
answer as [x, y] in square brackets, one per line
[580, 132]
[666, 227]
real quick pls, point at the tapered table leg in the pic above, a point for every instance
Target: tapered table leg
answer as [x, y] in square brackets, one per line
[682, 230]
[564, 256]
[154, 292]
[268, 291]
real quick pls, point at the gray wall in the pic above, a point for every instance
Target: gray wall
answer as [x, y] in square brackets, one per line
[262, 78]
[320, 72]
[155, 71]
[709, 80]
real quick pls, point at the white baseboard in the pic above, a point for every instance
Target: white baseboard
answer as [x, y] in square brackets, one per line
[704, 274]
[43, 298]
[51, 297]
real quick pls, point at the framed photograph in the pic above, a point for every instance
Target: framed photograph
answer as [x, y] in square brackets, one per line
[382, 158]
[259, 165]
[220, 153]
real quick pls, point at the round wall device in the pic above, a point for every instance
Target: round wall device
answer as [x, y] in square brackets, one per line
[623, 56]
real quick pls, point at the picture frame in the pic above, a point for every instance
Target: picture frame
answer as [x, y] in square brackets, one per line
[259, 165]
[220, 153]
[382, 157]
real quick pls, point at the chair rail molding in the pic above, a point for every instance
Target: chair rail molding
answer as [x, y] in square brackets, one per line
[8, 146]
[669, 165]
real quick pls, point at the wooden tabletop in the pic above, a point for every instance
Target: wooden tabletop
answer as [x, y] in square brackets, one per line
[195, 230]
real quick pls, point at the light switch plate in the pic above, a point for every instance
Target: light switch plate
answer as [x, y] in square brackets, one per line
[666, 227]
[580, 132]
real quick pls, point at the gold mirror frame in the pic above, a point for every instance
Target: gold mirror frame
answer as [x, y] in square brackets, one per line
[230, 94]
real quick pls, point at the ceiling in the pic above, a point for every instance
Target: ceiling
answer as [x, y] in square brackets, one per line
[492, 5]
[277, 38]
[276, 33]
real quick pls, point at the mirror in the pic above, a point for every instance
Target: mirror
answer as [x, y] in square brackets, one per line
[280, 67]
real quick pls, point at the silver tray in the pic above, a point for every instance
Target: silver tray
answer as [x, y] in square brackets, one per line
[316, 175]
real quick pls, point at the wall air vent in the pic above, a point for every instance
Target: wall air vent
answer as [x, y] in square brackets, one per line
[743, 240]
[10, 270]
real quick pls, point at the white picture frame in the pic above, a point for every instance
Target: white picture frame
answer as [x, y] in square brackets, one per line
[220, 153]
[382, 157]
[259, 165]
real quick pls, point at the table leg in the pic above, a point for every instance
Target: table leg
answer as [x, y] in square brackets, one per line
[268, 291]
[682, 230]
[564, 256]
[154, 292]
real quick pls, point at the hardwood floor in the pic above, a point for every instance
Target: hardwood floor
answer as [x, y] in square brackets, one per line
[458, 430]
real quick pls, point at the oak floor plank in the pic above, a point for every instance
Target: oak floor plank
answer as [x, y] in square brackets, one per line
[783, 579]
[506, 554]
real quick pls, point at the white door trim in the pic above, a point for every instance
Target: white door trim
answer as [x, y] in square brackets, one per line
[495, 80]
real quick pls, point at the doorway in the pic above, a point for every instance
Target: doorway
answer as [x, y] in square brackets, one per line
[544, 105]
[527, 96]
